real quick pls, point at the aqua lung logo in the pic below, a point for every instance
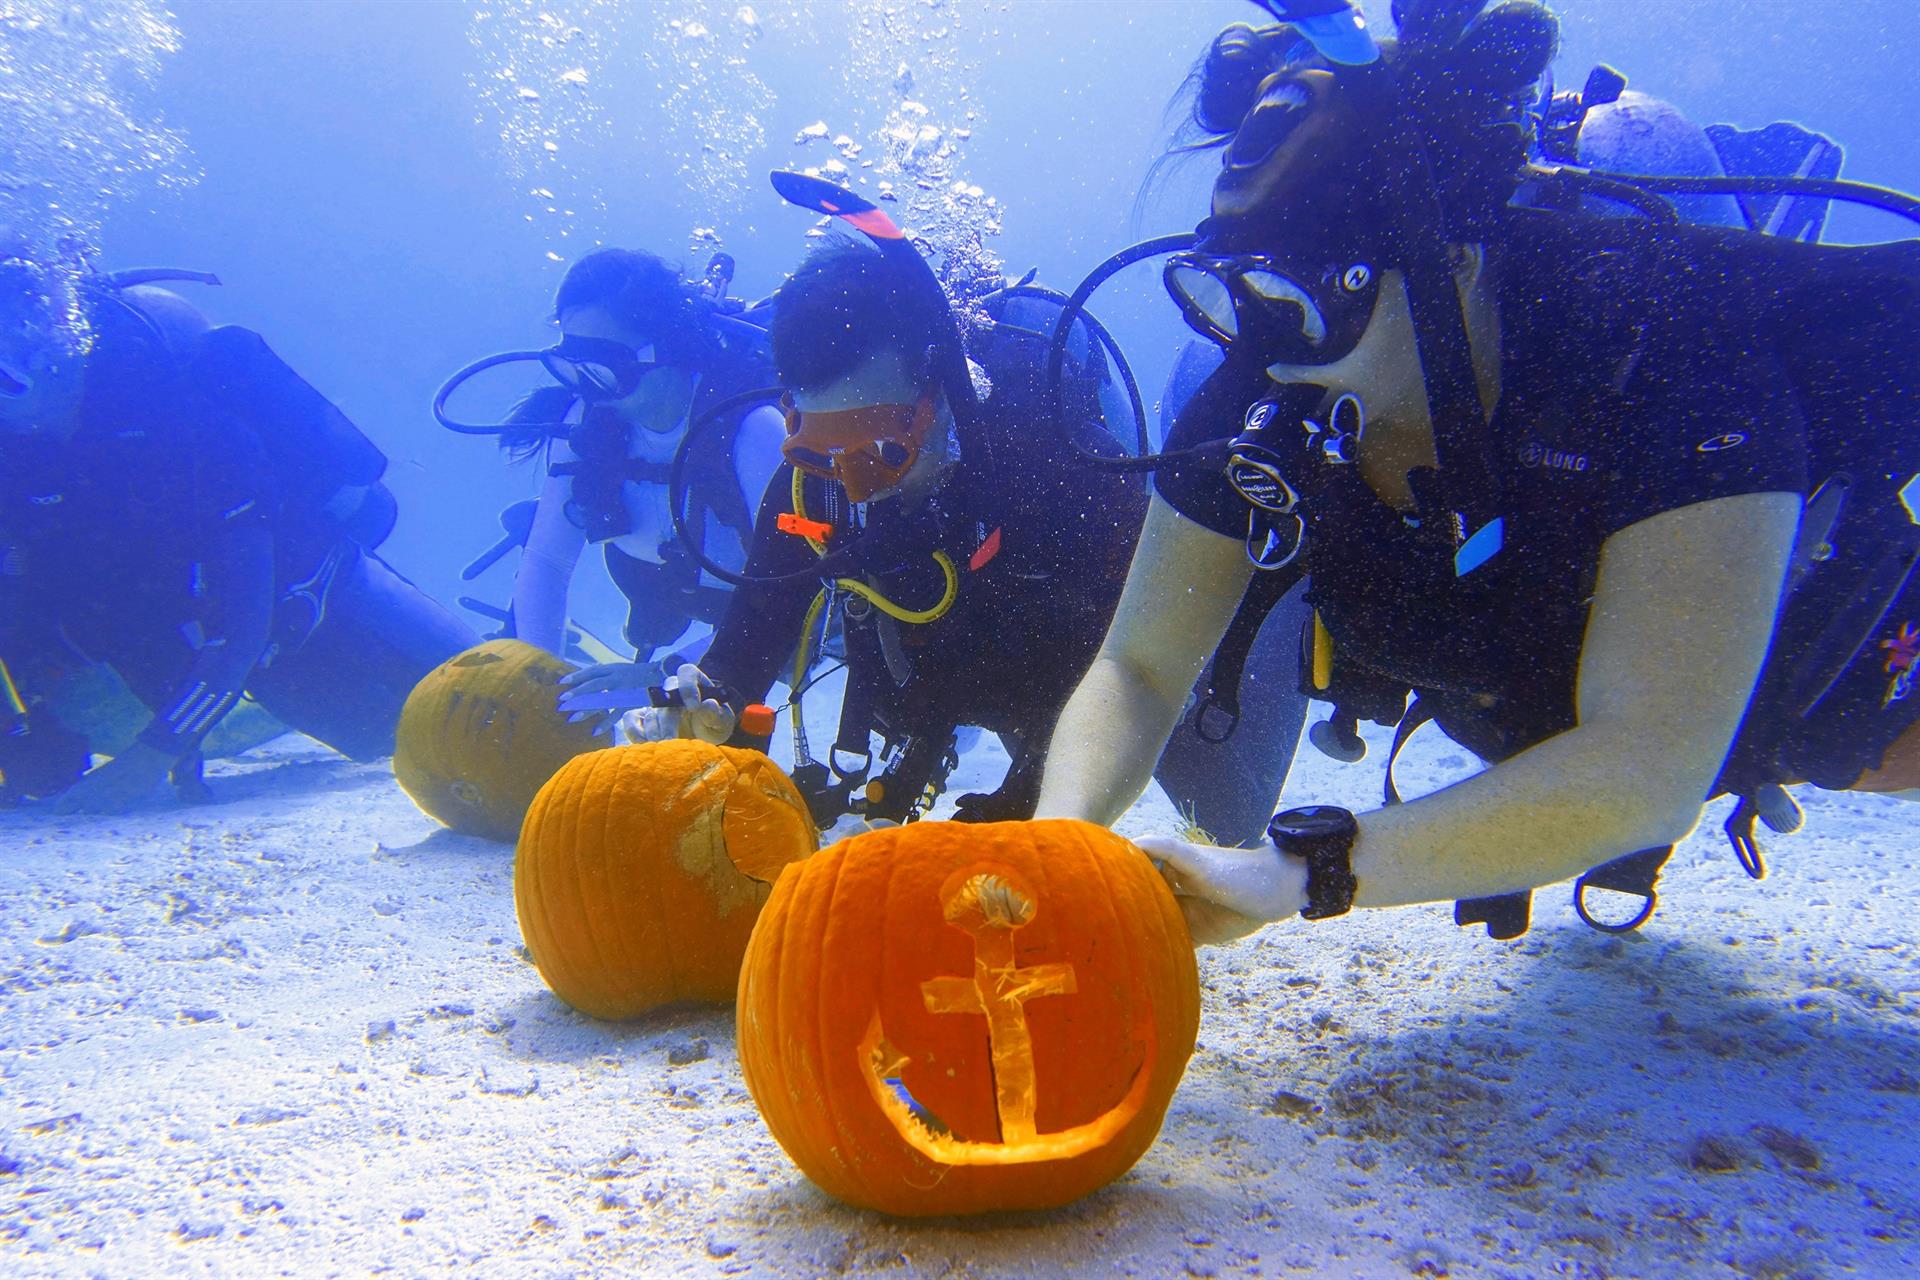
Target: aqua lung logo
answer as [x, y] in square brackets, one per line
[1260, 415]
[1714, 444]
[1538, 455]
[1261, 485]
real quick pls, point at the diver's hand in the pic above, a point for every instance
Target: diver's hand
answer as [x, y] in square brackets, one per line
[604, 691]
[122, 783]
[1227, 893]
[1004, 805]
[707, 719]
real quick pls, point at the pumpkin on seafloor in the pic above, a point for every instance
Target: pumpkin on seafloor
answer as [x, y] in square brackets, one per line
[481, 732]
[950, 1018]
[641, 870]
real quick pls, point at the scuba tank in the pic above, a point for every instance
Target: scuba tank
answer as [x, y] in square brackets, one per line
[326, 468]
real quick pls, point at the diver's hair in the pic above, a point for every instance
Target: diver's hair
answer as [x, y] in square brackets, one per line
[643, 292]
[1468, 73]
[1469, 68]
[529, 422]
[1221, 87]
[842, 306]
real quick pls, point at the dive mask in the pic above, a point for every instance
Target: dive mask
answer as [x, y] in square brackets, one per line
[1293, 315]
[867, 449]
[598, 371]
[596, 368]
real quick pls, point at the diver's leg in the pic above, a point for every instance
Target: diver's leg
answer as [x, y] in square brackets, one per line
[1230, 788]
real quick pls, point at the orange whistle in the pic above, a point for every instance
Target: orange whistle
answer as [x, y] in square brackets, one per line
[801, 527]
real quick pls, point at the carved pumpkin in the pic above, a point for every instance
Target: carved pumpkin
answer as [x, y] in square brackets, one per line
[950, 1018]
[481, 732]
[641, 870]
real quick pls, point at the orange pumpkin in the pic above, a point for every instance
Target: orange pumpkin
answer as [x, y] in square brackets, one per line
[950, 1018]
[641, 870]
[481, 732]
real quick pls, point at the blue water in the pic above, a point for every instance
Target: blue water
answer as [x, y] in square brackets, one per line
[389, 190]
[355, 195]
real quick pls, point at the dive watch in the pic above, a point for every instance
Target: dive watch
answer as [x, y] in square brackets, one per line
[1321, 836]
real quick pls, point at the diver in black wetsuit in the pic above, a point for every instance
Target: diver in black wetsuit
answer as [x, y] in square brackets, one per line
[176, 503]
[992, 557]
[1628, 507]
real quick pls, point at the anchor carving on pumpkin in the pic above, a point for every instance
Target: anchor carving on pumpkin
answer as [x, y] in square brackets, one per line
[990, 910]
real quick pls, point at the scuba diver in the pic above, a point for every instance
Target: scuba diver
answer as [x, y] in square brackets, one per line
[1628, 506]
[1229, 755]
[179, 505]
[642, 351]
[970, 564]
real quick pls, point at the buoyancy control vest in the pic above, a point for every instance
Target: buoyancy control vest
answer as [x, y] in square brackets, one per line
[327, 472]
[602, 467]
[1841, 323]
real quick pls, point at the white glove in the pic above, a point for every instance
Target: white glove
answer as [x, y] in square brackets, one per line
[602, 692]
[1226, 893]
[707, 719]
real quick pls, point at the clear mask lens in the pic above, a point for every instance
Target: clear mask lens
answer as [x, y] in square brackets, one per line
[1272, 287]
[1207, 294]
[584, 377]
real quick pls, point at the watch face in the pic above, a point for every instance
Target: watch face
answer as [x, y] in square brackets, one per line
[1313, 821]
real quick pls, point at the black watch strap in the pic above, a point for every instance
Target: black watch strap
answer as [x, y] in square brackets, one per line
[1322, 836]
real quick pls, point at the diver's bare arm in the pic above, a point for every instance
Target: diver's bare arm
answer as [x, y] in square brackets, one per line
[545, 572]
[1682, 615]
[1182, 589]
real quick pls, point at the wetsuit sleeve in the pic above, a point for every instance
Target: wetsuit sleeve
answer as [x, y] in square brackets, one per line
[757, 635]
[1198, 489]
[236, 588]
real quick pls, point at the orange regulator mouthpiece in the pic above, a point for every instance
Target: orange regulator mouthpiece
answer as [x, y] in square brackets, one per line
[867, 449]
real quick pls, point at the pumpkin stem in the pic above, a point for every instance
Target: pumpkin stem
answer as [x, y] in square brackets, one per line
[995, 902]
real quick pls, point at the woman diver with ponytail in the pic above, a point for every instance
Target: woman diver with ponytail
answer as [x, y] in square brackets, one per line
[642, 352]
[1629, 507]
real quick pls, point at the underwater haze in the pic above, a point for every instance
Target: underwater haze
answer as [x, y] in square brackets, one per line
[294, 1032]
[369, 179]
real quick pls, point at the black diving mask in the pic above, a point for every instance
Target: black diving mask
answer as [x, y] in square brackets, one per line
[596, 368]
[1296, 316]
[596, 371]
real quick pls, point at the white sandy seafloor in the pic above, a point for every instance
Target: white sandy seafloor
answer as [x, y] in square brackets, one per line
[294, 1033]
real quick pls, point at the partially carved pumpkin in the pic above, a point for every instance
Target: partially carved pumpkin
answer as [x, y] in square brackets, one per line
[481, 732]
[641, 870]
[950, 1018]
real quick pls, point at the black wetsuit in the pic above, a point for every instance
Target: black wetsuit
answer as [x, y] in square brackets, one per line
[175, 538]
[1641, 371]
[1041, 544]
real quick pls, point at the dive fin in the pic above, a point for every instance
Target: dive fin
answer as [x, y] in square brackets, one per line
[1780, 150]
